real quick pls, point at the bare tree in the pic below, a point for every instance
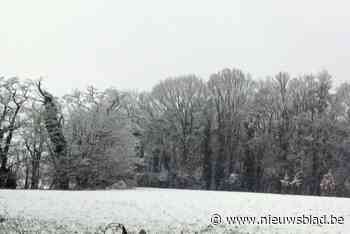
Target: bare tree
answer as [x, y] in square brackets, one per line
[231, 91]
[13, 95]
[34, 137]
[101, 143]
[180, 101]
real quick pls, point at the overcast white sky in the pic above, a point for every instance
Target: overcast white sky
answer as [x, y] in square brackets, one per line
[133, 44]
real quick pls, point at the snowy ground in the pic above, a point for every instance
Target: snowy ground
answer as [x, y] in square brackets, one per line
[158, 210]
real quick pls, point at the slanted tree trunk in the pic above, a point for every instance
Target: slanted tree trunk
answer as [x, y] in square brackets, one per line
[54, 129]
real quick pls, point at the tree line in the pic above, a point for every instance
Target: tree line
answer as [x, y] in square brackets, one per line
[281, 134]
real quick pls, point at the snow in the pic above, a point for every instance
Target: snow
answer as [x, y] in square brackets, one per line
[157, 210]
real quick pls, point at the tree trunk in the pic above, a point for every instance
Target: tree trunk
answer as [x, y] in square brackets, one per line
[220, 162]
[26, 180]
[35, 173]
[207, 161]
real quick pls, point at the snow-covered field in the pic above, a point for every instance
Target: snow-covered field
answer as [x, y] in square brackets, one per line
[162, 210]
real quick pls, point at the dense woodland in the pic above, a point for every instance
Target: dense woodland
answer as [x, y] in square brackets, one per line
[229, 132]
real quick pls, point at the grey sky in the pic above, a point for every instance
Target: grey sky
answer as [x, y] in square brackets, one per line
[133, 44]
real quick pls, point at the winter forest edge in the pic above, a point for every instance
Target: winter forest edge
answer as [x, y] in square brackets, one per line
[230, 132]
